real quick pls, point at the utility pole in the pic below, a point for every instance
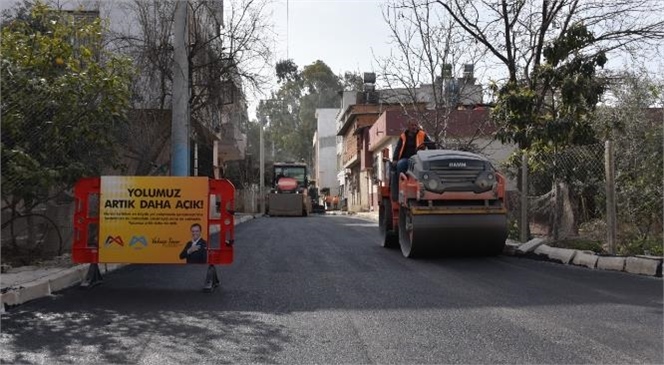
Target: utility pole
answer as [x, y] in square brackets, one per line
[523, 226]
[180, 103]
[610, 173]
[261, 181]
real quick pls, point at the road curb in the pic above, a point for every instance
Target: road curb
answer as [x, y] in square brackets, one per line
[611, 263]
[68, 277]
[531, 245]
[538, 249]
[587, 259]
[563, 255]
[643, 266]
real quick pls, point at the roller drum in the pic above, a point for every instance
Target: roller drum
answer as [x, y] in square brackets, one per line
[451, 234]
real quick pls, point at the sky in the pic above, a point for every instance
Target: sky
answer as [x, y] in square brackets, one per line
[347, 35]
[342, 33]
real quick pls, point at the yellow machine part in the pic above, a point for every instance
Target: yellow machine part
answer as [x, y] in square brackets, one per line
[287, 205]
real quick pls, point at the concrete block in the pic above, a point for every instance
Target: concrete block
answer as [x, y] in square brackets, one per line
[110, 267]
[543, 250]
[562, 255]
[611, 263]
[9, 298]
[66, 279]
[643, 266]
[105, 268]
[34, 290]
[531, 245]
[584, 258]
[510, 248]
[82, 270]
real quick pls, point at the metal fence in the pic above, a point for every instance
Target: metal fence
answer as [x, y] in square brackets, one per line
[36, 207]
[566, 190]
[567, 200]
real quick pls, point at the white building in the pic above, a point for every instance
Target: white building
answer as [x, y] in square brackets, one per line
[325, 150]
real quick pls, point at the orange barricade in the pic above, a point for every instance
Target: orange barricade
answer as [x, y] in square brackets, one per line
[142, 219]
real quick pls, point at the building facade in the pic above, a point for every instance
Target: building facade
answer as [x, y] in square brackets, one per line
[370, 122]
[325, 150]
[143, 32]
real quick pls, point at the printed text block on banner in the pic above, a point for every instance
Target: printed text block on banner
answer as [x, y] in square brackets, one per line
[153, 219]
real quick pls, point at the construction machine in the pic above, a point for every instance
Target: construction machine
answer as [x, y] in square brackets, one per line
[448, 202]
[289, 194]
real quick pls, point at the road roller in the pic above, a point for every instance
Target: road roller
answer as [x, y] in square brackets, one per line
[449, 202]
[289, 195]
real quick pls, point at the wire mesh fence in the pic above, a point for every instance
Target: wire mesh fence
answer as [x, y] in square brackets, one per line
[567, 191]
[567, 199]
[36, 170]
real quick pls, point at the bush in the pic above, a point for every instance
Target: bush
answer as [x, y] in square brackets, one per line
[642, 247]
[580, 244]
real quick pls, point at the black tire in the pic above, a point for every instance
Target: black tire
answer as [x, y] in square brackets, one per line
[389, 238]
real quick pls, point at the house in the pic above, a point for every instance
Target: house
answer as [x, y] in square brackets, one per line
[215, 113]
[370, 122]
[359, 111]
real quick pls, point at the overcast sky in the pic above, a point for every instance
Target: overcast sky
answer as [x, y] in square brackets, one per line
[342, 33]
[346, 34]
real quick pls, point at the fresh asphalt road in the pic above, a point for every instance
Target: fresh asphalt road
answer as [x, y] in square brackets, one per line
[321, 290]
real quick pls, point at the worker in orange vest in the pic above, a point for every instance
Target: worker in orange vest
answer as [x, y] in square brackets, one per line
[410, 141]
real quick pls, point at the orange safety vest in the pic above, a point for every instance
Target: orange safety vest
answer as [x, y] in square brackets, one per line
[419, 140]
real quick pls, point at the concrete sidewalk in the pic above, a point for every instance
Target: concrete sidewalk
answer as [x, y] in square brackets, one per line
[25, 283]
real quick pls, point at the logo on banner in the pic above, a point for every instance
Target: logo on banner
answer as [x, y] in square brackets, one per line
[138, 242]
[111, 241]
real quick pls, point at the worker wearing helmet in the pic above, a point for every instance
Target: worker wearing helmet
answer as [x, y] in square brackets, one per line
[411, 140]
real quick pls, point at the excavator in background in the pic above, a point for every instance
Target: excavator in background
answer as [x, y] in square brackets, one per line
[289, 195]
[448, 202]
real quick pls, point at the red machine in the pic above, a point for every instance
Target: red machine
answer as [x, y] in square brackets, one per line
[290, 196]
[448, 202]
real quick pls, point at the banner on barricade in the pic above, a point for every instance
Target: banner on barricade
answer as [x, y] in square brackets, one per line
[153, 219]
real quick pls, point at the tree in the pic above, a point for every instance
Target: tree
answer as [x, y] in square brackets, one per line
[428, 51]
[291, 109]
[352, 81]
[225, 55]
[550, 51]
[64, 105]
[629, 119]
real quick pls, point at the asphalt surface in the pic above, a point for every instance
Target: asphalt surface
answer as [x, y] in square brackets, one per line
[321, 290]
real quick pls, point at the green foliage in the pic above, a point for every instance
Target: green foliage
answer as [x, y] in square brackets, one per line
[286, 71]
[513, 231]
[352, 81]
[580, 244]
[638, 134]
[555, 107]
[291, 109]
[63, 102]
[652, 246]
